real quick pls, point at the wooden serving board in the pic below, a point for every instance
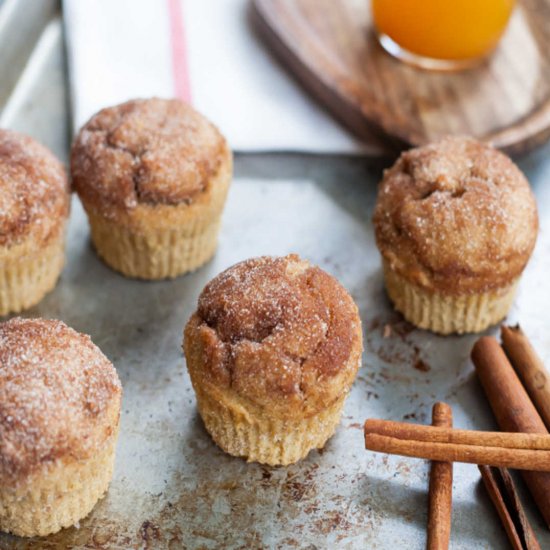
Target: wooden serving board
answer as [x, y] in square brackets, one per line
[331, 49]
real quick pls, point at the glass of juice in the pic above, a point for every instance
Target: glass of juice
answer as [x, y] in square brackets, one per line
[441, 34]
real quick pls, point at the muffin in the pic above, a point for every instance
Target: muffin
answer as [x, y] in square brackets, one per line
[455, 223]
[34, 207]
[59, 417]
[153, 176]
[272, 352]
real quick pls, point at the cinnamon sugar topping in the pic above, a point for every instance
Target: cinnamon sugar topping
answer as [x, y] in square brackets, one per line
[277, 326]
[59, 396]
[456, 215]
[34, 193]
[151, 151]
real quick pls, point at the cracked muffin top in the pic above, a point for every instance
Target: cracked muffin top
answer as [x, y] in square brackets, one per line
[145, 151]
[276, 332]
[59, 397]
[456, 216]
[34, 193]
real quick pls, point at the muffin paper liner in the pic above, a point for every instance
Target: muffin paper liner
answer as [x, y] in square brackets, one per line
[155, 253]
[266, 439]
[24, 281]
[58, 497]
[447, 314]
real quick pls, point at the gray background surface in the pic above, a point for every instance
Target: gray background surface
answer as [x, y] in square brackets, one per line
[172, 486]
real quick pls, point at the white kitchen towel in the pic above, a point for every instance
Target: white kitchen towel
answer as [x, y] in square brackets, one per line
[204, 52]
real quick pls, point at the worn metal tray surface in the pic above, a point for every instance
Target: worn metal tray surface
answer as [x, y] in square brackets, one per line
[172, 487]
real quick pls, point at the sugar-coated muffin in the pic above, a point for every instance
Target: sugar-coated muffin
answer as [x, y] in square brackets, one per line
[455, 223]
[153, 176]
[59, 416]
[272, 352]
[34, 207]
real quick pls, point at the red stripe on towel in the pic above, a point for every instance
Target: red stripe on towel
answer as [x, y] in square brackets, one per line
[180, 65]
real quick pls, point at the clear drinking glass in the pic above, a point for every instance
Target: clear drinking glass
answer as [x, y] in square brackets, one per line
[441, 34]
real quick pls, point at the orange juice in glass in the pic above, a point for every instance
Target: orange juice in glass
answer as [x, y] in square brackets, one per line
[441, 34]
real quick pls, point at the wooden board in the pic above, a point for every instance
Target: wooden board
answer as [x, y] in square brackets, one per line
[331, 49]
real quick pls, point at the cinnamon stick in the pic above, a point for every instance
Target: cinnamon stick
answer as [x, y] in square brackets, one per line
[434, 434]
[529, 368]
[441, 488]
[506, 457]
[503, 494]
[512, 407]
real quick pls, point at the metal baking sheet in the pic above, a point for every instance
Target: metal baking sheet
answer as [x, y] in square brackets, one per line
[172, 487]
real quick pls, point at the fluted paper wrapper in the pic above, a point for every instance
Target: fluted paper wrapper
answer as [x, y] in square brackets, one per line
[155, 253]
[24, 281]
[448, 313]
[266, 439]
[58, 497]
